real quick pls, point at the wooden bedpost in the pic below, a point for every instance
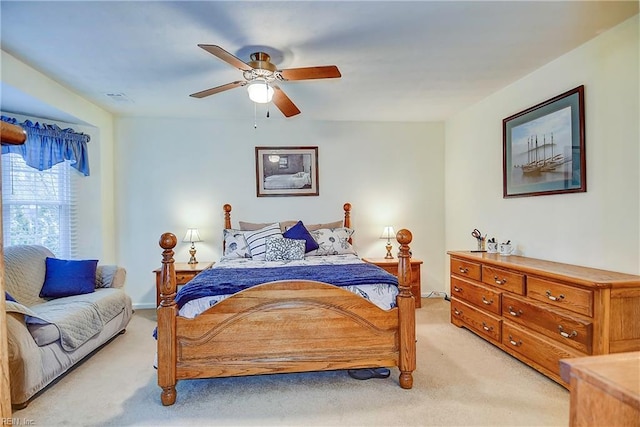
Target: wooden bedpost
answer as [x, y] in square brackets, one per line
[227, 215]
[406, 311]
[347, 215]
[167, 312]
[227, 223]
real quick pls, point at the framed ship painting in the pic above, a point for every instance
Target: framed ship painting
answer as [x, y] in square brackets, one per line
[544, 148]
[287, 171]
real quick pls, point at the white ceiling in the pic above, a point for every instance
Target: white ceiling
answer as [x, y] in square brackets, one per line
[400, 61]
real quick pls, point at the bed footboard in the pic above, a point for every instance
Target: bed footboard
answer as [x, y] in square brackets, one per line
[284, 326]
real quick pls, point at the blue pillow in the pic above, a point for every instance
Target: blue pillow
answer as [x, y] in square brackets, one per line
[8, 297]
[64, 278]
[300, 232]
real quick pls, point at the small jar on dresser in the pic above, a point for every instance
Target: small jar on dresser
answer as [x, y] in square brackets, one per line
[542, 311]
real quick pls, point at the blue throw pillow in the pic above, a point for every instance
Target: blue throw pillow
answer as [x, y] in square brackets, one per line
[64, 278]
[8, 297]
[300, 232]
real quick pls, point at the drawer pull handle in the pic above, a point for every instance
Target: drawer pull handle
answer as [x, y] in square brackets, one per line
[457, 312]
[514, 343]
[552, 298]
[515, 313]
[565, 334]
[487, 328]
[499, 281]
[457, 289]
[463, 270]
[487, 302]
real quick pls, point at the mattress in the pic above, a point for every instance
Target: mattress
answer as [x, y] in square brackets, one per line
[382, 295]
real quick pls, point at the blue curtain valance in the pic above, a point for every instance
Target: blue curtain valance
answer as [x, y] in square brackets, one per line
[48, 145]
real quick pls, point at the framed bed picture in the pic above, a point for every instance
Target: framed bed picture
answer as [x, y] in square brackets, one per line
[287, 171]
[544, 148]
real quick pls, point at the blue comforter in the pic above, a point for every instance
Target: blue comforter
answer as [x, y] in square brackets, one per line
[226, 281]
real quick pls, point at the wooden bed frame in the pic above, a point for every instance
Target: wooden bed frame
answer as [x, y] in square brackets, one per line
[284, 326]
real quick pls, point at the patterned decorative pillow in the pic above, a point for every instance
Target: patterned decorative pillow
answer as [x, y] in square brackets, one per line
[235, 245]
[332, 241]
[257, 240]
[299, 231]
[334, 224]
[283, 249]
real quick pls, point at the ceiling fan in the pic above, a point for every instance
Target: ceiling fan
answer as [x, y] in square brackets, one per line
[262, 77]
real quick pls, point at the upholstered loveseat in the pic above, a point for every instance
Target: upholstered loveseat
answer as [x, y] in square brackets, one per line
[49, 332]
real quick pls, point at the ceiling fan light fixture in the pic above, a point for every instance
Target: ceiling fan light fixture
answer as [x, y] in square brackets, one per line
[260, 91]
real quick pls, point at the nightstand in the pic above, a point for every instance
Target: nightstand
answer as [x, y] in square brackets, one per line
[184, 273]
[391, 265]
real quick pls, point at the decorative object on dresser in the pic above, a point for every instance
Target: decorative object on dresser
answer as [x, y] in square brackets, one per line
[184, 273]
[192, 236]
[605, 390]
[542, 311]
[388, 233]
[272, 327]
[544, 148]
[391, 265]
[287, 171]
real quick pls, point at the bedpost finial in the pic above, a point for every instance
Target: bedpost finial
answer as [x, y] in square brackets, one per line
[404, 236]
[168, 241]
[227, 207]
[347, 207]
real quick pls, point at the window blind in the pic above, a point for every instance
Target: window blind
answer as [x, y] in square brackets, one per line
[39, 207]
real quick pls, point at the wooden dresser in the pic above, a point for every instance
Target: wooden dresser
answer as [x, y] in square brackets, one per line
[541, 311]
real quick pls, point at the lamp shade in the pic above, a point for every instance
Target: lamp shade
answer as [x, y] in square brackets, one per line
[192, 235]
[388, 233]
[260, 91]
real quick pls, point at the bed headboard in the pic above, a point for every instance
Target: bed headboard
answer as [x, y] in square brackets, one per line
[227, 218]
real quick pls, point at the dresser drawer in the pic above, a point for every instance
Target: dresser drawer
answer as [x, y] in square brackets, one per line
[541, 351]
[571, 330]
[466, 269]
[483, 323]
[568, 297]
[503, 279]
[481, 296]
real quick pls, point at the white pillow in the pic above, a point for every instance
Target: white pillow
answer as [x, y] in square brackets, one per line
[283, 249]
[332, 241]
[235, 245]
[257, 240]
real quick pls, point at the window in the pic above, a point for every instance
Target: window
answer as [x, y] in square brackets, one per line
[38, 207]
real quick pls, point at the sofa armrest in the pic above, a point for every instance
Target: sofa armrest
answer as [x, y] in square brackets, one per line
[110, 276]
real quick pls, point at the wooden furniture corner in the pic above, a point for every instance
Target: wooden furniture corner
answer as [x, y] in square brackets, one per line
[391, 266]
[13, 135]
[605, 390]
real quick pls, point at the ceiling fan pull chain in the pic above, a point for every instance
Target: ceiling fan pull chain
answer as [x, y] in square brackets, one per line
[255, 121]
[267, 111]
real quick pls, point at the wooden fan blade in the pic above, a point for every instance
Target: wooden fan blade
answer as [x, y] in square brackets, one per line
[284, 104]
[308, 73]
[226, 56]
[218, 89]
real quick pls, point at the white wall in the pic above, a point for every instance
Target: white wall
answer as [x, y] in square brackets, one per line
[599, 228]
[96, 197]
[174, 174]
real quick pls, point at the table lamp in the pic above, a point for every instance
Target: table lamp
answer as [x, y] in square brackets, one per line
[192, 236]
[388, 233]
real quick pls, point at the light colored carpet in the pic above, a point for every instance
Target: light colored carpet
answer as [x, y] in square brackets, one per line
[461, 381]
